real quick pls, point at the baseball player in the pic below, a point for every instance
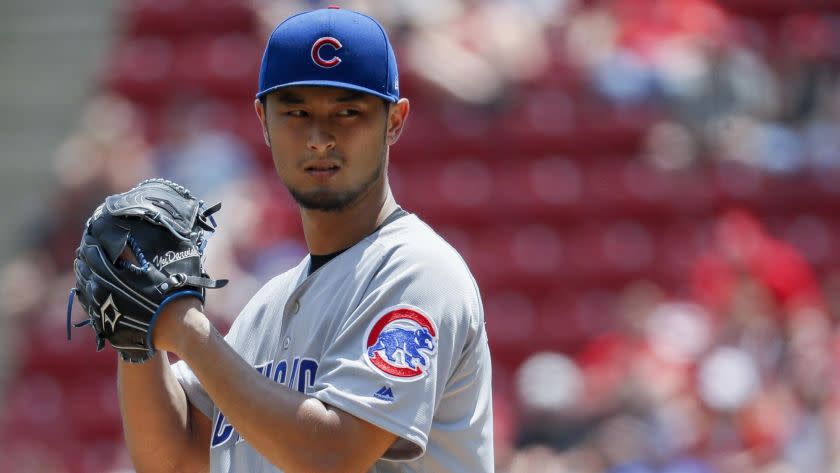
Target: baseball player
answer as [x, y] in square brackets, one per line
[371, 354]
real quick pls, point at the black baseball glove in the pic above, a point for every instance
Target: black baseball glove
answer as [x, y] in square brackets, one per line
[166, 229]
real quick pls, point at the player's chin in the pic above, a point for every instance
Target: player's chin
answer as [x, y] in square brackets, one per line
[324, 200]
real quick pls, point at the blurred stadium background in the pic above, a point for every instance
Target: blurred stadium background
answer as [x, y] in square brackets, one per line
[646, 191]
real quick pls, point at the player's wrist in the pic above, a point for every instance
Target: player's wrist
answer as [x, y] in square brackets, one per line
[174, 323]
[194, 333]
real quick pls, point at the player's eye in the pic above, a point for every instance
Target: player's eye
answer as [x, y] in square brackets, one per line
[348, 112]
[297, 113]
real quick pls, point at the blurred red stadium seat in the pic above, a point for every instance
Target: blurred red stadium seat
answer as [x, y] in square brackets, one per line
[36, 404]
[510, 319]
[155, 70]
[558, 321]
[736, 183]
[94, 393]
[815, 239]
[220, 66]
[141, 69]
[778, 8]
[530, 258]
[628, 247]
[458, 190]
[52, 354]
[679, 244]
[545, 187]
[183, 17]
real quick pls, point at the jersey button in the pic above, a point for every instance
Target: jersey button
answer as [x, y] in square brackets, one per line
[286, 342]
[296, 307]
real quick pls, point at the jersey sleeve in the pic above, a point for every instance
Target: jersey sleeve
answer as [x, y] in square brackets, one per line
[390, 359]
[193, 389]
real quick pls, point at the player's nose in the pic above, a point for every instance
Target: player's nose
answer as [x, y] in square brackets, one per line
[320, 139]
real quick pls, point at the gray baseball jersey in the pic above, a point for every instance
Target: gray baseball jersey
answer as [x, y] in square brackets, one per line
[390, 331]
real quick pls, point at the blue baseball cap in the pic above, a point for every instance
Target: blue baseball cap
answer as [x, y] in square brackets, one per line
[330, 47]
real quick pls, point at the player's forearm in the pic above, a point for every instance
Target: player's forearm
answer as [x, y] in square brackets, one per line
[156, 420]
[293, 431]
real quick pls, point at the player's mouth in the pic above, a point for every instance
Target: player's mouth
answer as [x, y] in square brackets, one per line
[322, 169]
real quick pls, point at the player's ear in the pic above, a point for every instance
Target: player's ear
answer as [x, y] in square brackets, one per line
[259, 107]
[397, 116]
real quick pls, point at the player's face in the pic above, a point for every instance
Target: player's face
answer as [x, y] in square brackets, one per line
[330, 145]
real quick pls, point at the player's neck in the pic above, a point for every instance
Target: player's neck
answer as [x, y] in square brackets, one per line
[328, 232]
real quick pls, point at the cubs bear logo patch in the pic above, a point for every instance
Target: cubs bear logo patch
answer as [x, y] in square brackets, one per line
[400, 342]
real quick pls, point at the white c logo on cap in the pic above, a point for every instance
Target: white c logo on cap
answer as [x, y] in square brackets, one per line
[316, 52]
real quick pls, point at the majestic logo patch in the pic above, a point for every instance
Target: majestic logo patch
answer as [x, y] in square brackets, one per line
[399, 341]
[109, 313]
[318, 59]
[384, 394]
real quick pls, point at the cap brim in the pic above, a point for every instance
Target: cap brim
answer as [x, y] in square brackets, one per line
[328, 83]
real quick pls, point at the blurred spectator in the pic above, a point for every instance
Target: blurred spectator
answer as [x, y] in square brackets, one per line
[197, 152]
[743, 251]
